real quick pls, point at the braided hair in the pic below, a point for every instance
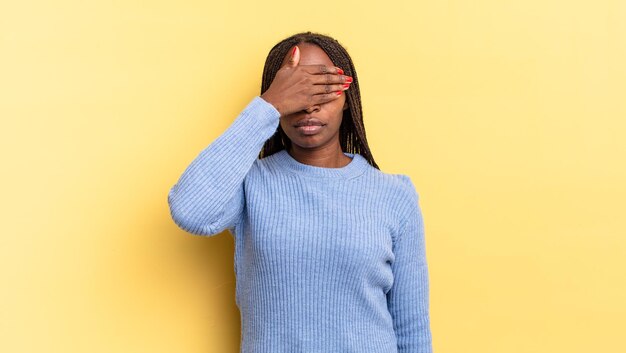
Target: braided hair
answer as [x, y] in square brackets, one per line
[352, 137]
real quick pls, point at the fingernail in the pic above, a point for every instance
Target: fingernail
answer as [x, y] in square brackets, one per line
[346, 85]
[294, 51]
[339, 71]
[338, 93]
[348, 79]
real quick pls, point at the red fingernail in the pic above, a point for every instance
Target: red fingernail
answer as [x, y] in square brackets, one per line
[348, 79]
[294, 51]
[338, 93]
[346, 85]
[339, 71]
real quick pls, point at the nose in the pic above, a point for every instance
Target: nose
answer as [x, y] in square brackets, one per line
[312, 109]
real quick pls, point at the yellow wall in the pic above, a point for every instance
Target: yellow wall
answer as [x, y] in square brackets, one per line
[508, 115]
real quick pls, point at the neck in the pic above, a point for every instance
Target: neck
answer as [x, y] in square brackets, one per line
[326, 156]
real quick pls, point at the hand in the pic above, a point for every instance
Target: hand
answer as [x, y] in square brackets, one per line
[297, 87]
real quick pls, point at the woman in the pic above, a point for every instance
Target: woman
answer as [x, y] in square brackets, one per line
[329, 250]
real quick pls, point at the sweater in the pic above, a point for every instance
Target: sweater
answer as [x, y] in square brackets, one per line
[326, 259]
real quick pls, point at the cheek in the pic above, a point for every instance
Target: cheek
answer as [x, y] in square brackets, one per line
[336, 114]
[286, 128]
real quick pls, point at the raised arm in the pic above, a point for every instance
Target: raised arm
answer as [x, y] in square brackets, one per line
[209, 196]
[408, 298]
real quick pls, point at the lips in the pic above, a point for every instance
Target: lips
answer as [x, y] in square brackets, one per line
[309, 122]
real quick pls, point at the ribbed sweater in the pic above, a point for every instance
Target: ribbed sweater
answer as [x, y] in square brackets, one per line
[326, 259]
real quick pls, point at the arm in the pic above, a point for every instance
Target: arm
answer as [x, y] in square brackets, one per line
[408, 298]
[209, 195]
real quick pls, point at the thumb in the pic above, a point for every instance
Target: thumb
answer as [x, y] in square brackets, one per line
[294, 60]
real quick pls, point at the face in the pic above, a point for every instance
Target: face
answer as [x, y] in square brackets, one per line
[330, 113]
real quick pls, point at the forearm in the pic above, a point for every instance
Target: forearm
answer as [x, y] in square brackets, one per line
[208, 196]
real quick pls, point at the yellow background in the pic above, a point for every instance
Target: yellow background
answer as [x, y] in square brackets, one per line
[508, 116]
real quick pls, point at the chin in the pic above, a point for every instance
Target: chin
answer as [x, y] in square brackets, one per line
[307, 142]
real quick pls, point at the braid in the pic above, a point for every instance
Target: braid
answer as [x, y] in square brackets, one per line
[352, 130]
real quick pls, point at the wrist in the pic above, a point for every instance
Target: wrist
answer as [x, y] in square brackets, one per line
[270, 100]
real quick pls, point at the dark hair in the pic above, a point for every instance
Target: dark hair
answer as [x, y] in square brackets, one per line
[352, 130]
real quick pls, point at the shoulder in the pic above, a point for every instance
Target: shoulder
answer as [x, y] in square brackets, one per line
[267, 164]
[408, 187]
[408, 202]
[266, 167]
[400, 184]
[398, 188]
[402, 194]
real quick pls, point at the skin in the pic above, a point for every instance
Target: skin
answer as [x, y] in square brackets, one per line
[321, 149]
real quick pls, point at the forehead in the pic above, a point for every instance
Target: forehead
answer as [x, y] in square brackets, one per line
[310, 54]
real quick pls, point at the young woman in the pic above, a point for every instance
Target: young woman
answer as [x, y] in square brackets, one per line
[329, 250]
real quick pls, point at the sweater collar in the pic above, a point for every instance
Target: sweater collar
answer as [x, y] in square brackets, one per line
[355, 168]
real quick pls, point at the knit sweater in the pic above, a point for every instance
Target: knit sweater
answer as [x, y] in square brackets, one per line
[326, 259]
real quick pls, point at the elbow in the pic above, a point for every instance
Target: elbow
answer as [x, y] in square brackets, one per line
[179, 214]
[185, 218]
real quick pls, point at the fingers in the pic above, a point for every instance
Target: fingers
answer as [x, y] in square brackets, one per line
[329, 79]
[326, 97]
[323, 89]
[322, 69]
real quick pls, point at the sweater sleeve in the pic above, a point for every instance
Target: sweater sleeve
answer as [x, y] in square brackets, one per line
[209, 195]
[408, 298]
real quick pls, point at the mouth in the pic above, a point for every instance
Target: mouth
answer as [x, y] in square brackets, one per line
[309, 122]
[309, 129]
